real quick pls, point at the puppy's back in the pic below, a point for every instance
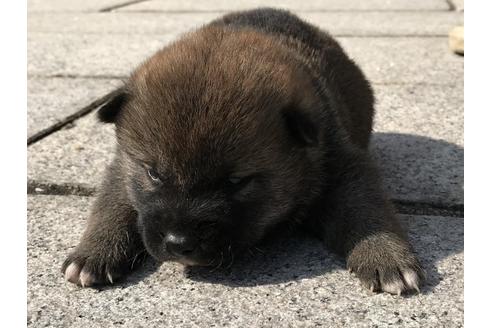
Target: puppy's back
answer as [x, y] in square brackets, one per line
[346, 83]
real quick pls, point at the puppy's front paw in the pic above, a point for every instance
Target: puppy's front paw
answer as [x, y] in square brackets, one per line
[93, 267]
[386, 263]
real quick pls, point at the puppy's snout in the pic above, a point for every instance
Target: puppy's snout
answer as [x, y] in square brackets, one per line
[180, 245]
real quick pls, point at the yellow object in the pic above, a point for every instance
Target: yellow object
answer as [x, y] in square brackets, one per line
[457, 40]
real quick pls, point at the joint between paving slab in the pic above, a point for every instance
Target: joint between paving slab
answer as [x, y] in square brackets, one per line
[76, 76]
[402, 83]
[69, 119]
[124, 77]
[379, 35]
[120, 5]
[428, 208]
[402, 207]
[98, 102]
[65, 189]
[338, 35]
[451, 5]
[223, 11]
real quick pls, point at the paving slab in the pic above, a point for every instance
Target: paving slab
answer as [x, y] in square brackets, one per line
[293, 282]
[384, 59]
[418, 143]
[405, 60]
[314, 5]
[51, 100]
[432, 110]
[74, 6]
[77, 154]
[89, 54]
[338, 23]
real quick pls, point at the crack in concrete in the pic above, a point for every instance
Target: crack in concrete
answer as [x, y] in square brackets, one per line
[120, 5]
[69, 119]
[402, 206]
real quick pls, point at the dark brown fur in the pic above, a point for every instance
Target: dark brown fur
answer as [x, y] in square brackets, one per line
[255, 119]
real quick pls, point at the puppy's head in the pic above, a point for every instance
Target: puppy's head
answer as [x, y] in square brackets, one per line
[218, 136]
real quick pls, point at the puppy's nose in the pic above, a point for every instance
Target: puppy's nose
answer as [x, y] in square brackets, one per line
[179, 245]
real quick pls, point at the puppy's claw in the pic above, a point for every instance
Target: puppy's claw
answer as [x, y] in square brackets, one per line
[397, 282]
[110, 277]
[83, 276]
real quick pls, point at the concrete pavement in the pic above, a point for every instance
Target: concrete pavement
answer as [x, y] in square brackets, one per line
[78, 51]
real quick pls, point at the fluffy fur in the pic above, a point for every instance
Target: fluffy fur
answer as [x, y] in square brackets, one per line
[255, 119]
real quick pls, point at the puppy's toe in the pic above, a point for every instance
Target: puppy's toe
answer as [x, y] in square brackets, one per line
[87, 271]
[399, 280]
[79, 274]
[86, 278]
[393, 287]
[72, 272]
[412, 279]
[388, 265]
[392, 280]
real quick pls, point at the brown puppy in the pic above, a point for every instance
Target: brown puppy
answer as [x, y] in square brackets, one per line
[253, 120]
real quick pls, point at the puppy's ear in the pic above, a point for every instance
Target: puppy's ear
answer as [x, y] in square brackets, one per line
[110, 110]
[301, 126]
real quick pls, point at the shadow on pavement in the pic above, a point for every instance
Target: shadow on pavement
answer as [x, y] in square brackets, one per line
[419, 165]
[419, 168]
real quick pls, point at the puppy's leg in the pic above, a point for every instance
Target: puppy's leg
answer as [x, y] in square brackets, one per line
[356, 220]
[110, 243]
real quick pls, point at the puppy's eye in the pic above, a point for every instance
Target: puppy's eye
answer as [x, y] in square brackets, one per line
[153, 175]
[235, 180]
[239, 182]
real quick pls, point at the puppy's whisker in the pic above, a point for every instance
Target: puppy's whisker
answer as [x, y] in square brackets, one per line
[232, 258]
[220, 263]
[260, 250]
[135, 258]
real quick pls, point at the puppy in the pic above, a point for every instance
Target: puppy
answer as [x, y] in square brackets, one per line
[253, 120]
